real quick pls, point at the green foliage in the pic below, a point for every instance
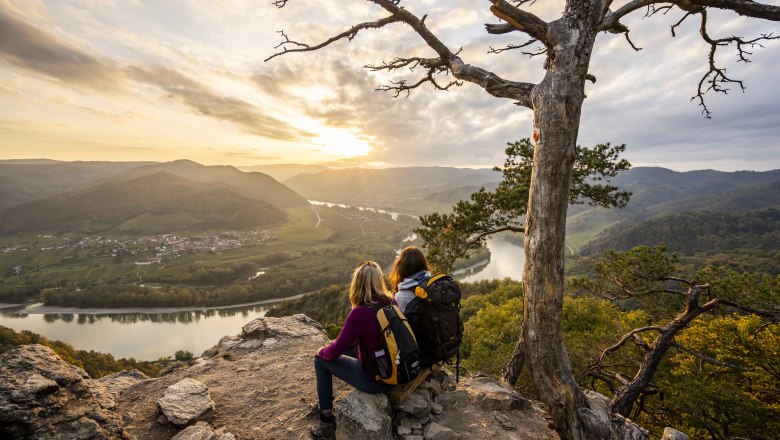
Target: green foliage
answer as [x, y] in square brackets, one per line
[183, 356]
[454, 235]
[589, 326]
[722, 381]
[96, 364]
[719, 380]
[490, 336]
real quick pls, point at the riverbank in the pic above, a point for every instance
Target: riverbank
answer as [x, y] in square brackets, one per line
[42, 309]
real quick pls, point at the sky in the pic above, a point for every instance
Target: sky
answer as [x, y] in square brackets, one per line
[120, 80]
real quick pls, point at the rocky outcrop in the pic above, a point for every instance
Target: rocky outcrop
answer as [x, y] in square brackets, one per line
[186, 402]
[478, 408]
[260, 385]
[118, 382]
[43, 397]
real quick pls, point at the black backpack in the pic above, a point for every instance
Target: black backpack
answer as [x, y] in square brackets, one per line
[399, 359]
[439, 328]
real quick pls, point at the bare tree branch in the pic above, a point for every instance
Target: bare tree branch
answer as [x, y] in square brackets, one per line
[449, 60]
[431, 65]
[513, 47]
[716, 79]
[349, 34]
[521, 20]
[709, 359]
[743, 7]
[497, 29]
[623, 340]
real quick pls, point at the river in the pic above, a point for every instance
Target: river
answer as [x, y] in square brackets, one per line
[506, 260]
[143, 336]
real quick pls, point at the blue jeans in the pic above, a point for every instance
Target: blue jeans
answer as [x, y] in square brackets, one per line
[347, 368]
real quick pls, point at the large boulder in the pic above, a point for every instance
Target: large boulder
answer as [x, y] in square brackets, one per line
[491, 395]
[267, 332]
[186, 402]
[43, 397]
[363, 416]
[118, 382]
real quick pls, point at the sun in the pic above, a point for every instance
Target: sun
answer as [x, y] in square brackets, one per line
[343, 144]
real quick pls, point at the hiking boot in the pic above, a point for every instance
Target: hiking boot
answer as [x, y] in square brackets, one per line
[325, 429]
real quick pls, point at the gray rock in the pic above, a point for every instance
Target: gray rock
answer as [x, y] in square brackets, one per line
[410, 423]
[491, 395]
[434, 387]
[198, 431]
[403, 430]
[600, 420]
[504, 420]
[416, 404]
[186, 402]
[413, 437]
[256, 329]
[118, 382]
[436, 408]
[434, 431]
[673, 434]
[362, 416]
[454, 399]
[43, 397]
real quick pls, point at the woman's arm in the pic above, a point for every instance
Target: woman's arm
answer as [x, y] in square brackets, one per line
[354, 326]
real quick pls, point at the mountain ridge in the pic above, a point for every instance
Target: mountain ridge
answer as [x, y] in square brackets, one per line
[109, 205]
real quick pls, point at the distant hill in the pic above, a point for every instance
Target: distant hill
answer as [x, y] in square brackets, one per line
[27, 180]
[405, 190]
[154, 203]
[696, 231]
[284, 171]
[663, 192]
[253, 185]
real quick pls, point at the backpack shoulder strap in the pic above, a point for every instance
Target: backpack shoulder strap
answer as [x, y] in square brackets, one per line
[422, 289]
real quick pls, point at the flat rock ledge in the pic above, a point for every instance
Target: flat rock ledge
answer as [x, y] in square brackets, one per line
[43, 397]
[186, 402]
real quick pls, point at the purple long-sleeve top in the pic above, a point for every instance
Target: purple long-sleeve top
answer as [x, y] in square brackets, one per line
[360, 327]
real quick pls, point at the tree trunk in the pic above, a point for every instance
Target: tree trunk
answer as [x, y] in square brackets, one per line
[511, 372]
[557, 104]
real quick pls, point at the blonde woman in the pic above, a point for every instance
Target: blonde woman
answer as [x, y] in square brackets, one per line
[351, 356]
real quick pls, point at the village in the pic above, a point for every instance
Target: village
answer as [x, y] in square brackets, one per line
[141, 251]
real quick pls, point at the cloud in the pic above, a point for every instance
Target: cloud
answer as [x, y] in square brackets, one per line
[27, 47]
[206, 102]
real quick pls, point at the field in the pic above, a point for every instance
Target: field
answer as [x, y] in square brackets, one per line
[316, 247]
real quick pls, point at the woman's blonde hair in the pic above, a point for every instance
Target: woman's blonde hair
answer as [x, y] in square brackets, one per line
[410, 261]
[367, 286]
